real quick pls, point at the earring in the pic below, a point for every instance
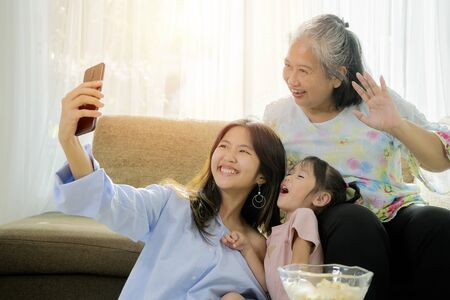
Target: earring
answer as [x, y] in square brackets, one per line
[258, 201]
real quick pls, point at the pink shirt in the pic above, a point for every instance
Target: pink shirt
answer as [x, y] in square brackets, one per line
[279, 247]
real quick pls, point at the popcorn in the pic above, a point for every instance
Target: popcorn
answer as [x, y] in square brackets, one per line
[324, 290]
[325, 282]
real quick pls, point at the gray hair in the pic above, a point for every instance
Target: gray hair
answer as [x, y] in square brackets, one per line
[335, 46]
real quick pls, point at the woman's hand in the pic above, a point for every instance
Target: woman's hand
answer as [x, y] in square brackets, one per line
[236, 240]
[85, 93]
[383, 115]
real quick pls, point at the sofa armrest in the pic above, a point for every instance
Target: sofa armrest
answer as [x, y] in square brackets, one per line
[55, 243]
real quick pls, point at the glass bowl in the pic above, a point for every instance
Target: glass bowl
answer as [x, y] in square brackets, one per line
[325, 282]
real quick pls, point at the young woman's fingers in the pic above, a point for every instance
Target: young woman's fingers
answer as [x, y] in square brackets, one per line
[92, 84]
[372, 84]
[88, 91]
[88, 113]
[82, 100]
[365, 84]
[360, 91]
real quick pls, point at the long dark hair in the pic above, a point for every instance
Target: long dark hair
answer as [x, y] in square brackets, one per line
[328, 179]
[206, 198]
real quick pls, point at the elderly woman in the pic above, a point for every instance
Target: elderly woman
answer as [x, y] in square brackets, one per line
[338, 112]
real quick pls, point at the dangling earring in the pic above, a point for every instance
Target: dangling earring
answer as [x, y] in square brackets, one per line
[258, 201]
[213, 185]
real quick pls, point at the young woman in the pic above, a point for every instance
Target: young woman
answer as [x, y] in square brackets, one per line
[337, 112]
[309, 187]
[183, 257]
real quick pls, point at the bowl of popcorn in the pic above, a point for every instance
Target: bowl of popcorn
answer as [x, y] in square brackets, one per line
[325, 282]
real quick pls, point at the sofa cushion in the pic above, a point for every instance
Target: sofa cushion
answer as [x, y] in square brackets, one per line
[143, 150]
[54, 243]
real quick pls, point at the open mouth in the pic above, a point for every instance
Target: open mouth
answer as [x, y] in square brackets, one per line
[227, 170]
[297, 93]
[284, 190]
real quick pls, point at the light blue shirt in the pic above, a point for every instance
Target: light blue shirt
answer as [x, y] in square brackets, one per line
[176, 263]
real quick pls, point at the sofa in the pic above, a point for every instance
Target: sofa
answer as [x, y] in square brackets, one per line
[57, 256]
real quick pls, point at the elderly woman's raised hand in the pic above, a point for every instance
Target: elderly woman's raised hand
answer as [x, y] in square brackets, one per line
[383, 115]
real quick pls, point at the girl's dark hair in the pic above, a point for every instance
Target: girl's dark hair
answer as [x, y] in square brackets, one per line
[206, 199]
[335, 46]
[329, 179]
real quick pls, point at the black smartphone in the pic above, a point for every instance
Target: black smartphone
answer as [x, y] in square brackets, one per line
[87, 124]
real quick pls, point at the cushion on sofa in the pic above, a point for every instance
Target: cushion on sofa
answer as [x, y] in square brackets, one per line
[144, 150]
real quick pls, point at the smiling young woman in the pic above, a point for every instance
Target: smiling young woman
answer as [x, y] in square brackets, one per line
[181, 227]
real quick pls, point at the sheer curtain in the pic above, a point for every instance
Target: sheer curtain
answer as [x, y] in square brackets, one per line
[184, 59]
[406, 41]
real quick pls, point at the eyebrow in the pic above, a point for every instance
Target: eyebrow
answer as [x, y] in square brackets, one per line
[304, 66]
[303, 168]
[241, 145]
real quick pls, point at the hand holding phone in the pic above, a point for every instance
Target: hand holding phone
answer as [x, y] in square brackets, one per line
[87, 124]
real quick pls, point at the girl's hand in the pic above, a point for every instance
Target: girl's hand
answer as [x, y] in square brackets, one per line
[236, 240]
[85, 93]
[383, 115]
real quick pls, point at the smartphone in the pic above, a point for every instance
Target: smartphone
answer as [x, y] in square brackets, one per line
[87, 124]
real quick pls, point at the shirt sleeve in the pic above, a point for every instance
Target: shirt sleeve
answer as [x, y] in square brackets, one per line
[411, 113]
[133, 212]
[305, 224]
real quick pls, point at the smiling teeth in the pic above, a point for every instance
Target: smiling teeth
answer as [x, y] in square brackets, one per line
[227, 171]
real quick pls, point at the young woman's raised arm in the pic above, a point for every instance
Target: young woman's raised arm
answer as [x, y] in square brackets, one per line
[86, 93]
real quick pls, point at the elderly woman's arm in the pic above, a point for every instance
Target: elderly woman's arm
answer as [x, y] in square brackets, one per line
[424, 145]
[383, 115]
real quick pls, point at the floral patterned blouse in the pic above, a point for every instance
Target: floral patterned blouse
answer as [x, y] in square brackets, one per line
[370, 157]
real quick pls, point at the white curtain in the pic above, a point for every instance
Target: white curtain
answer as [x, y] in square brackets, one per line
[197, 59]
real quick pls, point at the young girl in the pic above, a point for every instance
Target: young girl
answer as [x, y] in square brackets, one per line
[183, 257]
[309, 187]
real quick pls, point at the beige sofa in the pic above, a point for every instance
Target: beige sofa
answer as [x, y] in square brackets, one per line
[56, 256]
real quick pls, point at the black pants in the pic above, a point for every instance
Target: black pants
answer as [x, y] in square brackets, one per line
[409, 256]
